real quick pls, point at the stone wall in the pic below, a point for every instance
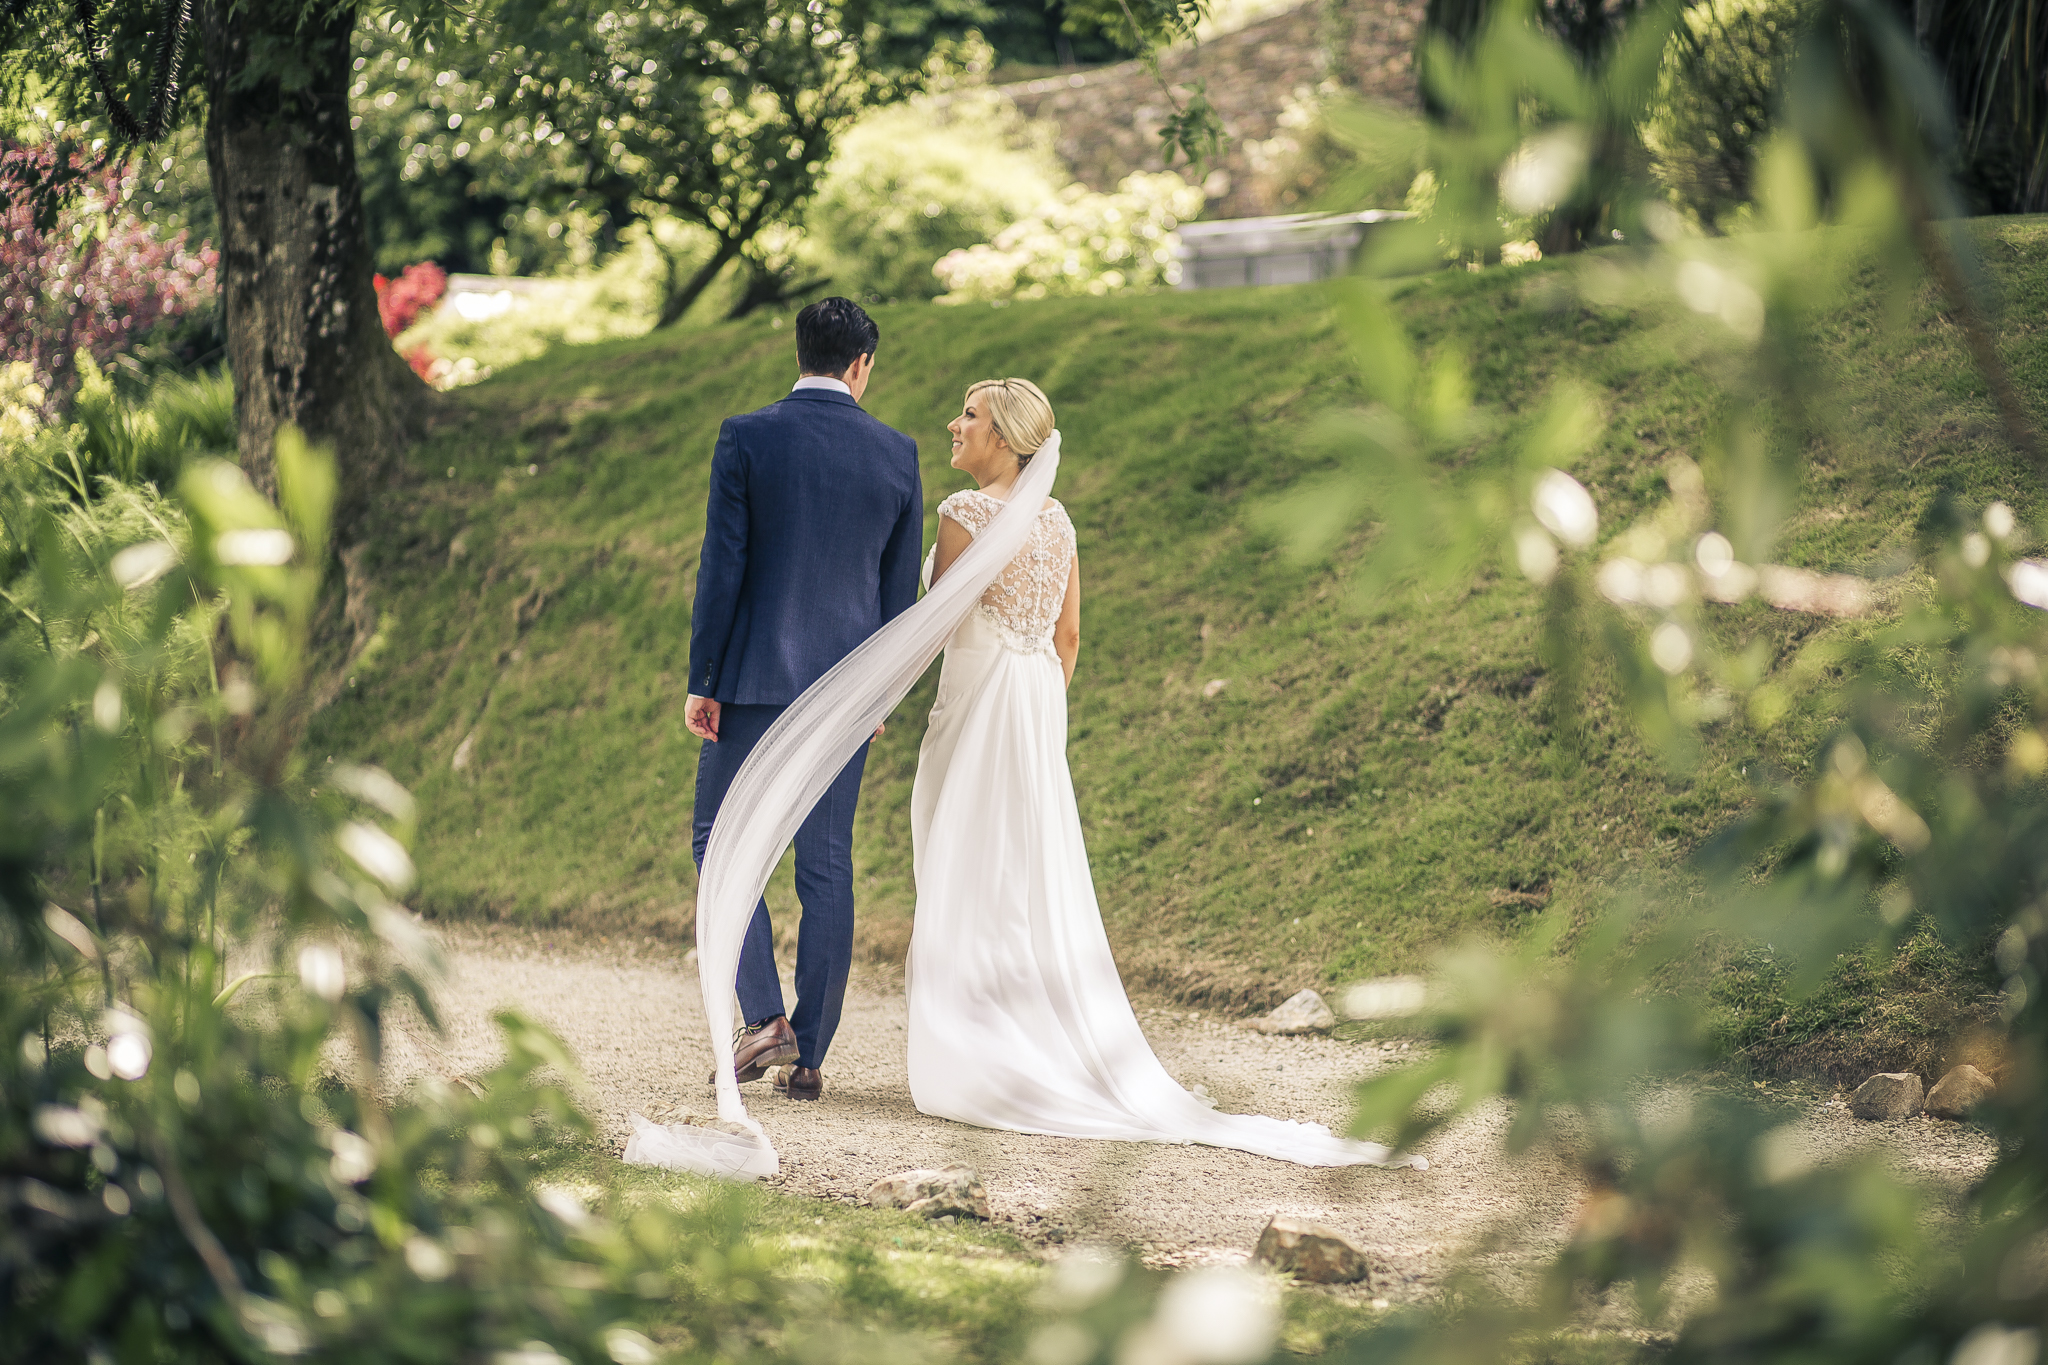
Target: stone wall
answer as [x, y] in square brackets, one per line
[1263, 80]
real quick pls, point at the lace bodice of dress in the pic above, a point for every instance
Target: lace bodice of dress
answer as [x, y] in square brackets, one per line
[1025, 600]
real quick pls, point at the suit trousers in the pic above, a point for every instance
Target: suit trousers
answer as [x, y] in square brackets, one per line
[824, 887]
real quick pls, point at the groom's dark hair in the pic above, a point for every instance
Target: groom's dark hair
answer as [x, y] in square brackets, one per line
[833, 333]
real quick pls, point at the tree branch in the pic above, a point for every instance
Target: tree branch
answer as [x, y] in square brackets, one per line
[166, 86]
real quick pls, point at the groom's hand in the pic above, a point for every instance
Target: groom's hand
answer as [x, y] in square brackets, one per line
[701, 715]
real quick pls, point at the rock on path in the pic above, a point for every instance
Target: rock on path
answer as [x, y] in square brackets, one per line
[630, 1014]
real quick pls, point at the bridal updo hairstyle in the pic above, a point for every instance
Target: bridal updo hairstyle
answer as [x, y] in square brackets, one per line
[833, 333]
[1019, 411]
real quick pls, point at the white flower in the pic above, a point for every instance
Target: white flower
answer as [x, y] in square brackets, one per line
[1719, 294]
[61, 1126]
[1061, 1343]
[256, 547]
[1221, 1315]
[380, 855]
[1671, 647]
[377, 787]
[429, 1261]
[1387, 997]
[2029, 582]
[355, 1160]
[1565, 508]
[565, 1205]
[129, 1055]
[1996, 1344]
[106, 706]
[1543, 170]
[1714, 554]
[1620, 581]
[140, 565]
[322, 971]
[1536, 554]
[1665, 584]
[1083, 1276]
[628, 1347]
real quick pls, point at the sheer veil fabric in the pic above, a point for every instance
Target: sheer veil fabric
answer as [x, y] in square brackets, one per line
[784, 777]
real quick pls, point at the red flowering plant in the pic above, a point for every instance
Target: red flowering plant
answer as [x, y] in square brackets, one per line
[94, 276]
[401, 301]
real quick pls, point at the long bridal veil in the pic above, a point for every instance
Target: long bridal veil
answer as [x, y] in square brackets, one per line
[803, 751]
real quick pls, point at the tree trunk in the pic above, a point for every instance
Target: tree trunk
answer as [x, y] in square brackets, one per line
[304, 340]
[679, 300]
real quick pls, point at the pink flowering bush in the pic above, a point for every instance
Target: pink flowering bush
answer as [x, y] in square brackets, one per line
[401, 301]
[99, 280]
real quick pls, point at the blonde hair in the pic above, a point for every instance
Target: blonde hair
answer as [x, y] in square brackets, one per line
[1019, 411]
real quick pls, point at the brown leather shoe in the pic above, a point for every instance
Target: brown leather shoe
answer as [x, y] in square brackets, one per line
[804, 1083]
[754, 1050]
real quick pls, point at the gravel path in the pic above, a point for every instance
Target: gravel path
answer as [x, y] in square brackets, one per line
[629, 1012]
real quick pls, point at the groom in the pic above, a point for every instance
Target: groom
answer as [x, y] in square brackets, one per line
[811, 543]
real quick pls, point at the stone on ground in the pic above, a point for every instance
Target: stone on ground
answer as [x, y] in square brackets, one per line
[1310, 1252]
[954, 1189]
[1887, 1095]
[1957, 1093]
[1302, 1012]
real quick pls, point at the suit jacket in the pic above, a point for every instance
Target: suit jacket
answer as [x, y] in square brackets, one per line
[811, 541]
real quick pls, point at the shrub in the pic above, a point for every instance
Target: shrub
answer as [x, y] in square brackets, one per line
[106, 437]
[98, 280]
[1079, 242]
[189, 1181]
[401, 301]
[1716, 97]
[911, 183]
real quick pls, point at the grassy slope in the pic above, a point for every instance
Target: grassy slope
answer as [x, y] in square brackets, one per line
[1372, 771]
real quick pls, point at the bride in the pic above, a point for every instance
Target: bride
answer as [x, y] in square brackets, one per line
[1018, 1019]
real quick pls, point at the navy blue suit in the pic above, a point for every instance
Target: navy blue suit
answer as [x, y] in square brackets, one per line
[812, 538]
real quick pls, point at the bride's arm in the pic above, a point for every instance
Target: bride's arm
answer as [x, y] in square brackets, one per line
[953, 539]
[1066, 632]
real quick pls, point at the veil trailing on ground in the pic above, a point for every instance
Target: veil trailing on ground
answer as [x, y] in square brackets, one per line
[783, 778]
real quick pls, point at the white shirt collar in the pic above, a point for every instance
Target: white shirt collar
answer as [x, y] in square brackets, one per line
[822, 381]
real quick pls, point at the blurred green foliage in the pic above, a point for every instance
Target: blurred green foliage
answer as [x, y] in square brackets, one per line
[440, 184]
[1916, 815]
[186, 1179]
[1716, 96]
[1993, 56]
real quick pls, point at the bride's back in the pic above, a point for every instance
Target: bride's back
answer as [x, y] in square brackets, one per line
[1026, 598]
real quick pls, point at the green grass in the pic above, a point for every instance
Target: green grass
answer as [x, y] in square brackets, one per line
[917, 1290]
[1376, 778]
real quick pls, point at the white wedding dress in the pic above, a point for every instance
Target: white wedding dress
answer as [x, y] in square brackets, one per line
[1018, 1019]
